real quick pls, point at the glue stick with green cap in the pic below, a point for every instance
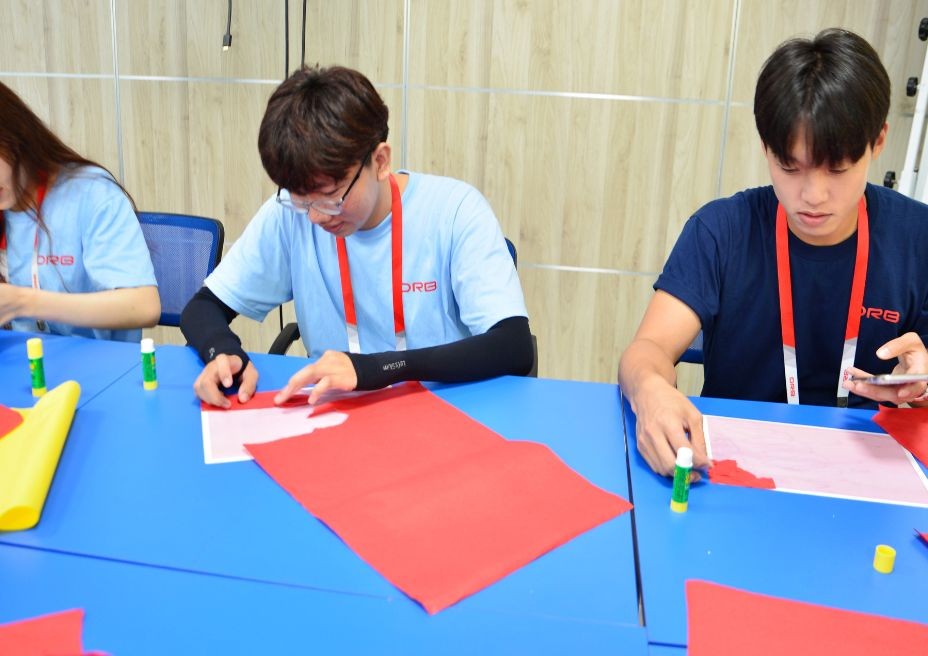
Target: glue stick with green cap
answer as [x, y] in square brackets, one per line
[149, 375]
[36, 365]
[681, 480]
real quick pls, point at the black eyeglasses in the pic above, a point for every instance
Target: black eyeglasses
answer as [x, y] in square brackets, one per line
[327, 207]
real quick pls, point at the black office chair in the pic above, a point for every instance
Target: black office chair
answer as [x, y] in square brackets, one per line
[184, 250]
[291, 332]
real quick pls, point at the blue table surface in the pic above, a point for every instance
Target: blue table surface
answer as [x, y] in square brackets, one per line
[131, 485]
[804, 547]
[140, 610]
[94, 364]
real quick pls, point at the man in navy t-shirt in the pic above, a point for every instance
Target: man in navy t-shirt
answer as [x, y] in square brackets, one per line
[799, 286]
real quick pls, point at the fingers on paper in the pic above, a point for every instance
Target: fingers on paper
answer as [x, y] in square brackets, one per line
[248, 384]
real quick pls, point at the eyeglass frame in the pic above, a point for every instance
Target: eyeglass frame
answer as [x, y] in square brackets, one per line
[327, 207]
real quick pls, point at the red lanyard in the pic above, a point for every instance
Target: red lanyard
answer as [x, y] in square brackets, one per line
[39, 199]
[351, 318]
[852, 329]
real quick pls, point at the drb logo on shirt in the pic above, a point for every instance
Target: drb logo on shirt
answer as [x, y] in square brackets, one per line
[63, 260]
[429, 286]
[892, 316]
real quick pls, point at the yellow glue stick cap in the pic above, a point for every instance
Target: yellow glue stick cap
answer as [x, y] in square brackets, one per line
[884, 558]
[34, 348]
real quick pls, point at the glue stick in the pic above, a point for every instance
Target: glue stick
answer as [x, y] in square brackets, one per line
[149, 375]
[36, 365]
[681, 480]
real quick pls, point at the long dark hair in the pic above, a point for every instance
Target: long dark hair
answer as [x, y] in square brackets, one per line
[34, 152]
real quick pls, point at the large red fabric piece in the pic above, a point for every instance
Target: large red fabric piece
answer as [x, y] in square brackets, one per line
[9, 419]
[57, 633]
[726, 621]
[436, 502]
[727, 472]
[908, 426]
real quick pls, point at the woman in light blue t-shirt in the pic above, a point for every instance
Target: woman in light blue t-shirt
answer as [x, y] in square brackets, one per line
[73, 259]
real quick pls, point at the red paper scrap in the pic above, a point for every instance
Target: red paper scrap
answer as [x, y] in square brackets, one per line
[437, 503]
[727, 472]
[726, 621]
[908, 426]
[9, 419]
[56, 633]
[259, 401]
[923, 536]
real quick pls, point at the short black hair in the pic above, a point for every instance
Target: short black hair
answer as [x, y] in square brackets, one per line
[833, 87]
[320, 122]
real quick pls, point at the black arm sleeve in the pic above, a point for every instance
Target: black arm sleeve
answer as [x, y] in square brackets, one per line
[205, 323]
[506, 348]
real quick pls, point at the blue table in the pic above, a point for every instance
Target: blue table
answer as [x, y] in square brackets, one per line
[94, 364]
[132, 486]
[796, 546]
[138, 610]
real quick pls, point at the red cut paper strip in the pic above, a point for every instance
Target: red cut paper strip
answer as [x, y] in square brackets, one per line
[908, 426]
[923, 536]
[437, 503]
[56, 633]
[727, 472]
[9, 419]
[725, 621]
[260, 401]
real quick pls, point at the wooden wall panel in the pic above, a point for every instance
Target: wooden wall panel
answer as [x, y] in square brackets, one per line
[183, 38]
[56, 36]
[362, 34]
[664, 48]
[81, 111]
[582, 321]
[575, 181]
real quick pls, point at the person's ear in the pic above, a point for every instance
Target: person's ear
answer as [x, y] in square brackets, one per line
[880, 141]
[382, 158]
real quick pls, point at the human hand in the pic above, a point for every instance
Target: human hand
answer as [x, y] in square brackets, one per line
[664, 417]
[333, 371]
[913, 359]
[11, 302]
[219, 374]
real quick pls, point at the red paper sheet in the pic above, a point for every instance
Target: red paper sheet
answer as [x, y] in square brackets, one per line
[908, 426]
[725, 621]
[9, 419]
[436, 502]
[727, 472]
[57, 633]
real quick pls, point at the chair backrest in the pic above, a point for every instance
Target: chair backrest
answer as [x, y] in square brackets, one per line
[693, 352]
[512, 251]
[184, 250]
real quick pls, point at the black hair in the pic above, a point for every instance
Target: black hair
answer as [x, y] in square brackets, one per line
[832, 87]
[319, 123]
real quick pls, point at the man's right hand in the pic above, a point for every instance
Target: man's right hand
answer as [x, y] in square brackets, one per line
[219, 375]
[664, 418]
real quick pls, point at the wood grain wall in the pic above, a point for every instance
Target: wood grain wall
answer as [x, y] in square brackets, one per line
[594, 127]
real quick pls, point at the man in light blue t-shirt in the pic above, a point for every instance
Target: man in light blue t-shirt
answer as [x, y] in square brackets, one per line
[394, 276]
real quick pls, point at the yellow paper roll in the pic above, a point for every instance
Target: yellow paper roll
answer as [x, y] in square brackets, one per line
[29, 455]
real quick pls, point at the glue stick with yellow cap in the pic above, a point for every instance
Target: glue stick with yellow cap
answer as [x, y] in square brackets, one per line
[36, 365]
[149, 375]
[681, 480]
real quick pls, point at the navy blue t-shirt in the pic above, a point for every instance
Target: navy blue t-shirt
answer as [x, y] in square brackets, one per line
[724, 267]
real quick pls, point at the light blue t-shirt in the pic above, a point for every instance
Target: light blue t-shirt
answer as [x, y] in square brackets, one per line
[458, 277]
[94, 243]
